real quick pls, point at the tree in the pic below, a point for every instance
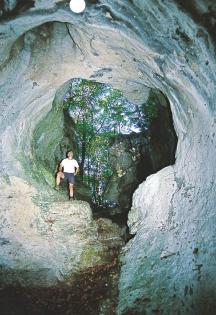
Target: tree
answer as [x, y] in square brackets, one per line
[96, 110]
[99, 113]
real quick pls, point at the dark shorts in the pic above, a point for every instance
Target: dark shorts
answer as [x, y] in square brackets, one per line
[69, 177]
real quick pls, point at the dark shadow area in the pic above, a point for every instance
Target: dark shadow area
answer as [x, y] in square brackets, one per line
[205, 18]
[91, 290]
[10, 9]
[161, 143]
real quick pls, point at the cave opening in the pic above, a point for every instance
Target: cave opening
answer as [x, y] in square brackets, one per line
[138, 144]
[116, 142]
[140, 46]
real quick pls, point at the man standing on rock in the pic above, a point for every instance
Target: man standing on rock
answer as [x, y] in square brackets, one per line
[67, 171]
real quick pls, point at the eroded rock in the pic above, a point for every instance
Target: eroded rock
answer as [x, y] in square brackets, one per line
[44, 245]
[135, 156]
[146, 44]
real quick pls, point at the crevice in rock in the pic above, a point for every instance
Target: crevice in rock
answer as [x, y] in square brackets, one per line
[163, 44]
[74, 42]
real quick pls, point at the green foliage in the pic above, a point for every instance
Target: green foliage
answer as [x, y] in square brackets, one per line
[99, 113]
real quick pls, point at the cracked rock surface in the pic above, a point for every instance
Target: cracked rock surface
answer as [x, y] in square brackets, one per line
[44, 243]
[169, 266]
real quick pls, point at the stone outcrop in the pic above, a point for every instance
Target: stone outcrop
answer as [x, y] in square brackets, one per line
[135, 156]
[125, 153]
[169, 266]
[50, 241]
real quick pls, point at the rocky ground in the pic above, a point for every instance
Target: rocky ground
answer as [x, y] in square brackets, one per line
[169, 266]
[77, 265]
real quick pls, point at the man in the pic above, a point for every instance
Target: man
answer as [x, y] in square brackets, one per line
[67, 171]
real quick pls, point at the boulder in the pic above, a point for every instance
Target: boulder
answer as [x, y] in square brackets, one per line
[169, 265]
[44, 242]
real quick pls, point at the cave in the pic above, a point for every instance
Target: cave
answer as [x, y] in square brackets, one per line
[56, 257]
[145, 143]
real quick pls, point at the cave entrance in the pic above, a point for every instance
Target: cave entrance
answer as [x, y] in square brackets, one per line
[98, 114]
[116, 142]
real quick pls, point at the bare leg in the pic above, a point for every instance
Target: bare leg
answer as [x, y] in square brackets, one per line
[58, 178]
[71, 190]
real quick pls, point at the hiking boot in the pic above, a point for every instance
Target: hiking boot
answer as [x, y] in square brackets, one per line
[71, 198]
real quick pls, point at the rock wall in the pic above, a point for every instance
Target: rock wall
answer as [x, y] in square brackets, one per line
[135, 156]
[169, 266]
[43, 243]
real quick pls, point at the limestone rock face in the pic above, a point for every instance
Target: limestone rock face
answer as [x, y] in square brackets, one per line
[41, 246]
[135, 156]
[125, 155]
[169, 266]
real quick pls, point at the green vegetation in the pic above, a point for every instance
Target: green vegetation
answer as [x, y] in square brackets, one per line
[99, 113]
[85, 117]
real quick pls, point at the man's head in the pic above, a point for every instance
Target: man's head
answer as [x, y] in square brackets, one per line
[70, 155]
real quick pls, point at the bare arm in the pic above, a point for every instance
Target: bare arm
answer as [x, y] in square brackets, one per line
[77, 170]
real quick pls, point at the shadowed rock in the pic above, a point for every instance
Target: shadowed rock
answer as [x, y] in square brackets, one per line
[148, 44]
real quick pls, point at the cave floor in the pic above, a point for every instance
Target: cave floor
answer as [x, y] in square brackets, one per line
[95, 291]
[91, 291]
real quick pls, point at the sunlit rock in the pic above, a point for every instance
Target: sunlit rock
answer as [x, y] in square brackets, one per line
[44, 243]
[169, 266]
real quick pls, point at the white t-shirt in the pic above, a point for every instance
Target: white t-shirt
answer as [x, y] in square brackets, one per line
[69, 165]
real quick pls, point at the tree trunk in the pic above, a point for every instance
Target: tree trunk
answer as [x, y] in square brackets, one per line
[83, 157]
